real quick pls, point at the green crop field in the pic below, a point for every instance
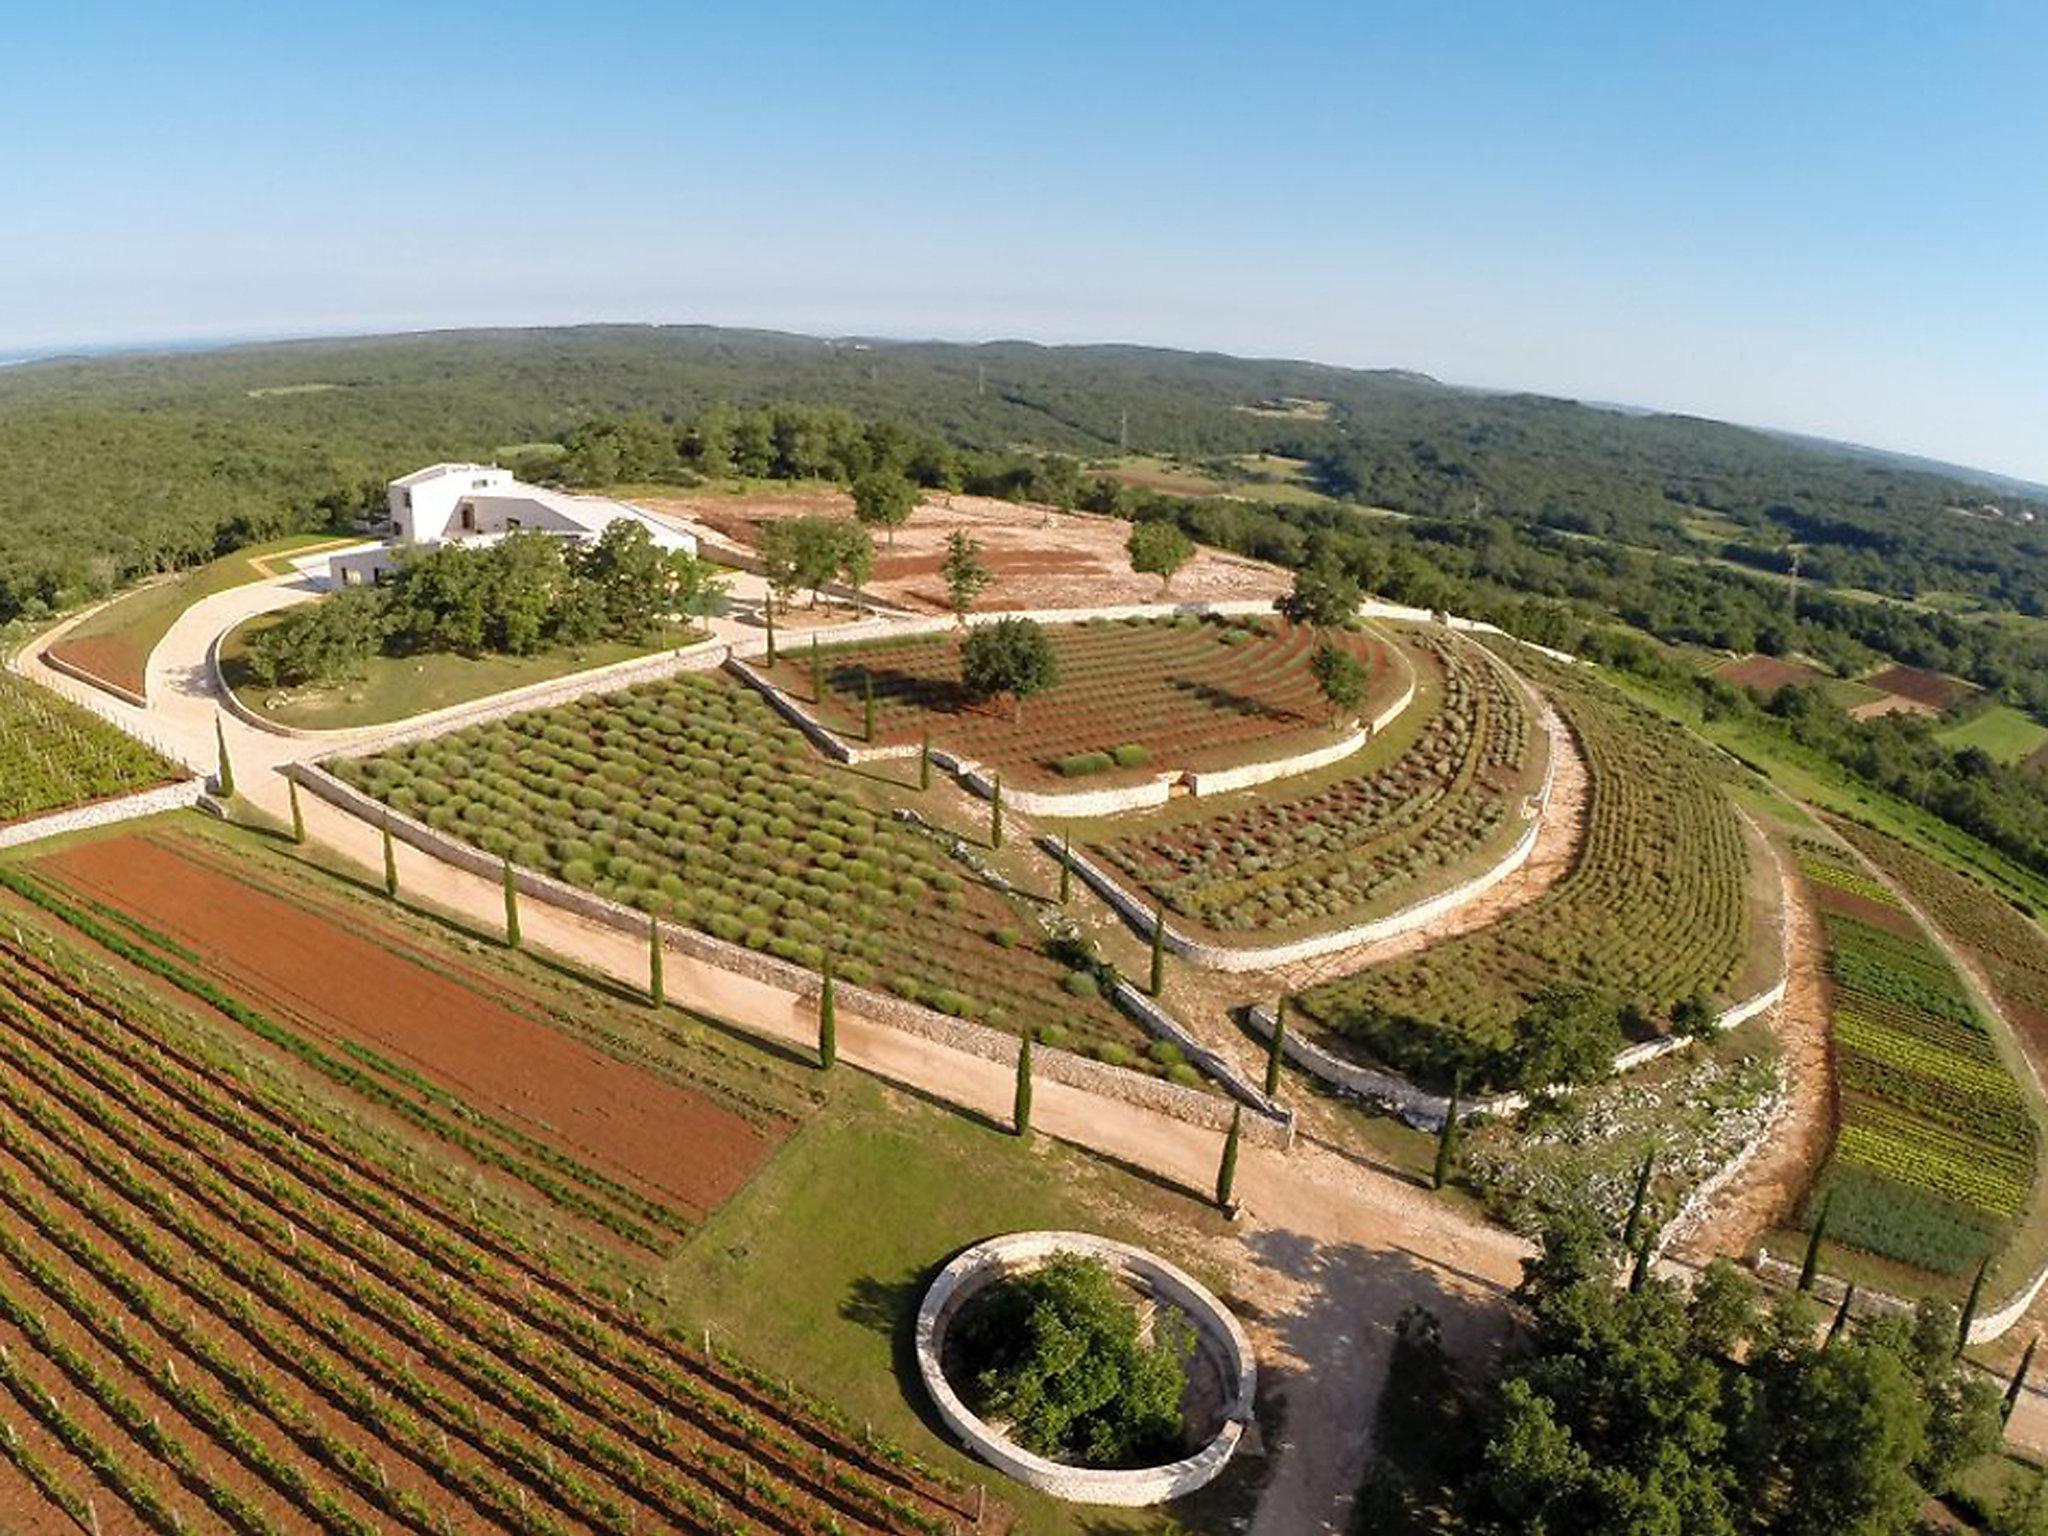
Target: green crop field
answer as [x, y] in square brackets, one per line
[1654, 909]
[1380, 830]
[1170, 693]
[2001, 730]
[54, 754]
[688, 799]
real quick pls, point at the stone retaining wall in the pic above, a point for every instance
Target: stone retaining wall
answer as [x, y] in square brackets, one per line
[1220, 1341]
[104, 813]
[791, 984]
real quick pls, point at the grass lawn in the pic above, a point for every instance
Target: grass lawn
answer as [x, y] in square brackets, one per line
[2001, 730]
[816, 1268]
[399, 687]
[114, 644]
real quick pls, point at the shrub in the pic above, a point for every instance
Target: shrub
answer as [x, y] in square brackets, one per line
[1081, 764]
[1081, 984]
[1132, 755]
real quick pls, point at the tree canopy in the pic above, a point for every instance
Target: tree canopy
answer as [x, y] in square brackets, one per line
[1159, 549]
[1011, 656]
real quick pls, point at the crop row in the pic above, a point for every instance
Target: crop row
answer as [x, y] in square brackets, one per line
[1328, 854]
[1652, 911]
[54, 754]
[687, 799]
[522, 1398]
[1177, 690]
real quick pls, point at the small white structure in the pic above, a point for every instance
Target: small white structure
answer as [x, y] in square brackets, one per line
[478, 503]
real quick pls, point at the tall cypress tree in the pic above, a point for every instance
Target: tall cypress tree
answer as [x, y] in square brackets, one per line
[924, 760]
[1841, 1314]
[1447, 1136]
[995, 814]
[1276, 1048]
[828, 1021]
[511, 908]
[1158, 948]
[1970, 1306]
[291, 787]
[390, 862]
[1226, 1171]
[1639, 1272]
[768, 609]
[1640, 1200]
[1066, 867]
[1810, 1266]
[657, 989]
[1020, 1111]
[224, 776]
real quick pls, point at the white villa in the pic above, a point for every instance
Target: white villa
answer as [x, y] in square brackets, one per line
[477, 503]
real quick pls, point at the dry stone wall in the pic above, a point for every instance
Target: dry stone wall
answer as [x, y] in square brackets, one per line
[104, 813]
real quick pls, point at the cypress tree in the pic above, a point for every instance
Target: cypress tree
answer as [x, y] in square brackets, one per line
[1447, 1136]
[924, 760]
[511, 908]
[657, 991]
[817, 673]
[1158, 948]
[1639, 1272]
[867, 705]
[298, 816]
[1970, 1306]
[1276, 1048]
[769, 610]
[2019, 1378]
[828, 1021]
[1640, 1200]
[225, 776]
[390, 863]
[995, 815]
[1811, 1265]
[1066, 867]
[1841, 1314]
[1226, 1171]
[1020, 1113]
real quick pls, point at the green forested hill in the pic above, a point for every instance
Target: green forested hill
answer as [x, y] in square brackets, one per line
[114, 467]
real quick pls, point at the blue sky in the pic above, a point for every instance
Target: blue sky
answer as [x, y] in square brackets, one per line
[1829, 217]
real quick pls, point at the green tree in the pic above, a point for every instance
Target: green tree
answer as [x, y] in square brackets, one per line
[511, 907]
[1226, 1169]
[1447, 1136]
[390, 862]
[1010, 656]
[291, 787]
[1159, 549]
[856, 560]
[1066, 867]
[882, 498]
[1640, 1200]
[1158, 976]
[224, 774]
[1276, 1048]
[828, 1021]
[924, 760]
[781, 565]
[1341, 676]
[1322, 597]
[965, 576]
[1020, 1106]
[995, 814]
[1057, 1354]
[657, 989]
[1564, 1036]
[631, 574]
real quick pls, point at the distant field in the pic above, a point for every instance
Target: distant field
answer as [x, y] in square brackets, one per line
[1919, 689]
[2001, 730]
[1767, 674]
[113, 646]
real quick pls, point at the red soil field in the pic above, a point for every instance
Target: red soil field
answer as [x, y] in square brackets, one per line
[658, 1134]
[112, 659]
[1931, 690]
[1767, 674]
[1182, 693]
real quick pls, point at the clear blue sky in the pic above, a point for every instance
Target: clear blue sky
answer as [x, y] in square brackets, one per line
[1825, 216]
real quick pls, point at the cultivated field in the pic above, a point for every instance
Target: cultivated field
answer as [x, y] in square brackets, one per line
[1912, 690]
[216, 1318]
[1041, 558]
[1935, 1150]
[1172, 694]
[1437, 798]
[1999, 730]
[688, 799]
[54, 755]
[1658, 906]
[1767, 674]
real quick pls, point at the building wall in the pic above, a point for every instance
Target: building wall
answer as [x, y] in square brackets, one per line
[432, 502]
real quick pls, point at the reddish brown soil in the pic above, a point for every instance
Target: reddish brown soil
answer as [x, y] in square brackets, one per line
[112, 659]
[1930, 690]
[594, 1106]
[1767, 674]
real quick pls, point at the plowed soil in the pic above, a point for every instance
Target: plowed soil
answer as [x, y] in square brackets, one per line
[658, 1134]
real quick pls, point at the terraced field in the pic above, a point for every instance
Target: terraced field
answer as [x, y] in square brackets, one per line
[1934, 1155]
[216, 1318]
[54, 755]
[1655, 909]
[688, 799]
[1175, 693]
[1376, 832]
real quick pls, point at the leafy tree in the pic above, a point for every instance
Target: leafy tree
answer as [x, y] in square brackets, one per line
[883, 498]
[856, 558]
[828, 1021]
[1020, 1104]
[1565, 1036]
[966, 577]
[1341, 676]
[801, 553]
[1323, 597]
[1057, 1354]
[1011, 656]
[781, 567]
[1159, 549]
[1226, 1169]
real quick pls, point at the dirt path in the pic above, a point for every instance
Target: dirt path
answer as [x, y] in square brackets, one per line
[1759, 1197]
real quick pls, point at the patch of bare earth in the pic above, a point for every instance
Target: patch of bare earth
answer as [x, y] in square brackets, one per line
[1041, 557]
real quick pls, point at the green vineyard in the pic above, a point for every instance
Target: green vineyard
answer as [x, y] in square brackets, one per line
[54, 755]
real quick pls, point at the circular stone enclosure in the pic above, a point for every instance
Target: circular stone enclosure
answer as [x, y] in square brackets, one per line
[1221, 1348]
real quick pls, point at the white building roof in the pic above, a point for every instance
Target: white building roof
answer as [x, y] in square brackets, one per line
[436, 471]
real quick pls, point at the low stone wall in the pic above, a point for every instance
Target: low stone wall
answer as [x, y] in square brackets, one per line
[795, 985]
[1220, 1341]
[1222, 781]
[1157, 1021]
[104, 813]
